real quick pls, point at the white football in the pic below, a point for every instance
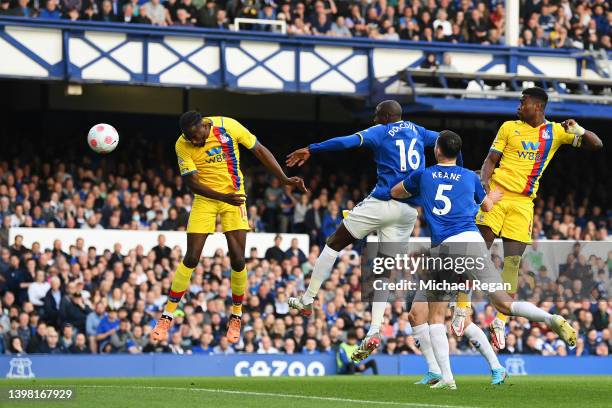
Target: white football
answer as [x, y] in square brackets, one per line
[103, 138]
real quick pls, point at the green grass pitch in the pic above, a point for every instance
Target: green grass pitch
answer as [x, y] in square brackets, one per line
[309, 392]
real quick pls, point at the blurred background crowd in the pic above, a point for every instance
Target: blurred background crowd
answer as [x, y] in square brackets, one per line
[106, 300]
[89, 193]
[78, 302]
[581, 24]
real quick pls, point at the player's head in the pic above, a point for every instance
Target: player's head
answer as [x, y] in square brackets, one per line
[448, 145]
[388, 111]
[194, 128]
[533, 104]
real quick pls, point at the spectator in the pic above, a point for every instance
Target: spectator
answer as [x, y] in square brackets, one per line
[182, 19]
[221, 23]
[91, 324]
[51, 343]
[106, 13]
[442, 21]
[205, 345]
[38, 289]
[52, 301]
[106, 328]
[121, 338]
[266, 347]
[223, 347]
[331, 220]
[294, 250]
[80, 345]
[207, 15]
[4, 11]
[50, 11]
[74, 311]
[155, 12]
[22, 9]
[67, 339]
[16, 346]
[275, 253]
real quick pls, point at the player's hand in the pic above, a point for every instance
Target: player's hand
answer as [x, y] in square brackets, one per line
[297, 182]
[234, 199]
[568, 123]
[495, 195]
[571, 126]
[299, 157]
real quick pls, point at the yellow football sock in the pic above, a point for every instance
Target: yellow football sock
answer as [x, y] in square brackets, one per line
[238, 282]
[464, 300]
[510, 275]
[181, 280]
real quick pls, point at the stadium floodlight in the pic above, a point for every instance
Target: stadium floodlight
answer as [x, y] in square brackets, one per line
[277, 25]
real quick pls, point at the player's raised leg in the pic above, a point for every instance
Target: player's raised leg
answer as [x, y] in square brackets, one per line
[393, 238]
[236, 241]
[505, 304]
[322, 269]
[180, 283]
[419, 313]
[480, 341]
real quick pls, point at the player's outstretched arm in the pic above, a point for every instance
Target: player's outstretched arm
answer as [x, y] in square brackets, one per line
[586, 139]
[491, 198]
[267, 158]
[300, 156]
[487, 168]
[198, 188]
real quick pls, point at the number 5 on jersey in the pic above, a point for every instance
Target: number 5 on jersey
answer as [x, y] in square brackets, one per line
[441, 197]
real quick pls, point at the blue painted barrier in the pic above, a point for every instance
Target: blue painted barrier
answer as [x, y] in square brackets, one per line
[167, 365]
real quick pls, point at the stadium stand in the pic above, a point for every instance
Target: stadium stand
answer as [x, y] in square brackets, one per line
[79, 302]
[576, 24]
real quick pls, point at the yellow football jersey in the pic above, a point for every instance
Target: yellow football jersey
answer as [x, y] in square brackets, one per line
[526, 151]
[217, 163]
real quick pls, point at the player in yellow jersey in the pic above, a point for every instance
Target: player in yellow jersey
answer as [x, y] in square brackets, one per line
[523, 148]
[209, 160]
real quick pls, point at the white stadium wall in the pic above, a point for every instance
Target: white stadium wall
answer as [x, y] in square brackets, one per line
[105, 239]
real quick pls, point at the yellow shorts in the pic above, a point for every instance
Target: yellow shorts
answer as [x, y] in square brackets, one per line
[511, 217]
[203, 217]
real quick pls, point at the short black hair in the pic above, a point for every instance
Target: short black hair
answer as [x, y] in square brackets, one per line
[449, 143]
[537, 93]
[188, 119]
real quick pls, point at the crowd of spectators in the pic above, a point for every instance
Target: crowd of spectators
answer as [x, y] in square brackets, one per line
[80, 301]
[60, 195]
[583, 24]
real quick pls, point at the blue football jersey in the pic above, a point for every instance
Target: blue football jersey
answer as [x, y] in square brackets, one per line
[398, 151]
[450, 196]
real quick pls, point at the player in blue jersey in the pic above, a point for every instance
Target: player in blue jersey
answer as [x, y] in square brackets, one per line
[451, 197]
[398, 148]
